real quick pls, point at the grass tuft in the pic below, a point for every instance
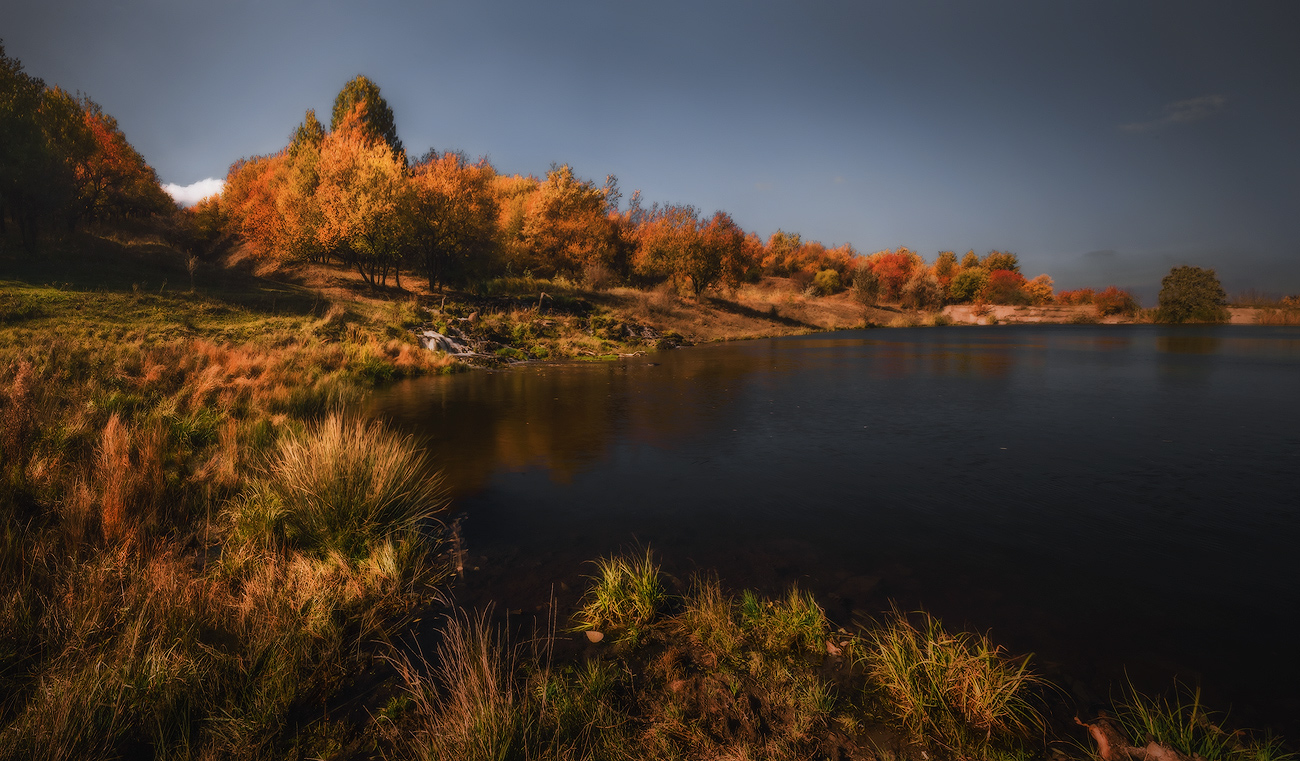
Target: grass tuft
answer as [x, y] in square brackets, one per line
[1184, 725]
[625, 596]
[795, 622]
[478, 702]
[340, 485]
[958, 690]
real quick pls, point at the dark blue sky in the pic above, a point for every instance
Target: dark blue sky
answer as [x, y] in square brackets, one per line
[1101, 141]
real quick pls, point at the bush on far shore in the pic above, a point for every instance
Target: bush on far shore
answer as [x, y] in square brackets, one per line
[1191, 294]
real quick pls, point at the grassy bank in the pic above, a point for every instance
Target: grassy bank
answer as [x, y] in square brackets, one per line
[669, 670]
[176, 580]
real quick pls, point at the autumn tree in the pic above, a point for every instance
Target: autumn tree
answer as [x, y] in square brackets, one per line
[1004, 287]
[781, 253]
[306, 136]
[1039, 290]
[968, 285]
[1113, 300]
[566, 224]
[1191, 294]
[250, 199]
[453, 214]
[667, 236]
[296, 203]
[363, 197]
[720, 256]
[894, 268]
[921, 291]
[945, 268]
[1001, 260]
[63, 162]
[360, 101]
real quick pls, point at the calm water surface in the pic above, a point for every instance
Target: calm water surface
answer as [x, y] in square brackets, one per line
[1117, 499]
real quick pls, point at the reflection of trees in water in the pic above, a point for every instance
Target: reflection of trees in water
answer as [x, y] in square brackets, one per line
[975, 361]
[1185, 358]
[1189, 344]
[563, 418]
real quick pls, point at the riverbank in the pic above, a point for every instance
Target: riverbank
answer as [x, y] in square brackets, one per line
[650, 666]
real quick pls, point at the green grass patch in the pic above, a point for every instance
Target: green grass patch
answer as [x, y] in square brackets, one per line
[958, 690]
[1183, 723]
[625, 595]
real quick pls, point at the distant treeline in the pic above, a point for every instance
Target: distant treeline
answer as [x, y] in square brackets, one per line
[64, 163]
[350, 195]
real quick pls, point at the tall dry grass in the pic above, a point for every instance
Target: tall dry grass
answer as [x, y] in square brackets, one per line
[480, 699]
[133, 621]
[342, 486]
[1277, 316]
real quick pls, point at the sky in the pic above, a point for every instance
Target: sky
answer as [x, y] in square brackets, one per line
[1103, 142]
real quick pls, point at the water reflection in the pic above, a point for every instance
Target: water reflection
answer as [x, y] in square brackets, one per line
[1189, 344]
[1006, 477]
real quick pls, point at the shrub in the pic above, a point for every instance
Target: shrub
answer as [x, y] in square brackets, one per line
[921, 291]
[1191, 294]
[1005, 287]
[866, 285]
[1039, 290]
[1114, 301]
[826, 282]
[1072, 298]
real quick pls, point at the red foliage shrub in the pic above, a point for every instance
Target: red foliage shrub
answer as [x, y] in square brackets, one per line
[893, 268]
[1071, 298]
[1005, 287]
[1114, 301]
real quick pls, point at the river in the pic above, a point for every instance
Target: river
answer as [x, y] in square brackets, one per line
[1120, 500]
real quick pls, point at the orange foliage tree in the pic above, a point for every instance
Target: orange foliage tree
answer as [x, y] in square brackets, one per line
[893, 269]
[1039, 290]
[945, 268]
[363, 199]
[64, 163]
[249, 198]
[566, 224]
[453, 213]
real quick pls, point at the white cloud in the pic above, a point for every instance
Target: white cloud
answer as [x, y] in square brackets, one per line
[1181, 112]
[188, 195]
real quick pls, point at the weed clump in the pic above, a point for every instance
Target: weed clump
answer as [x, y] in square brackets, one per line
[958, 690]
[1184, 725]
[625, 596]
[340, 485]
